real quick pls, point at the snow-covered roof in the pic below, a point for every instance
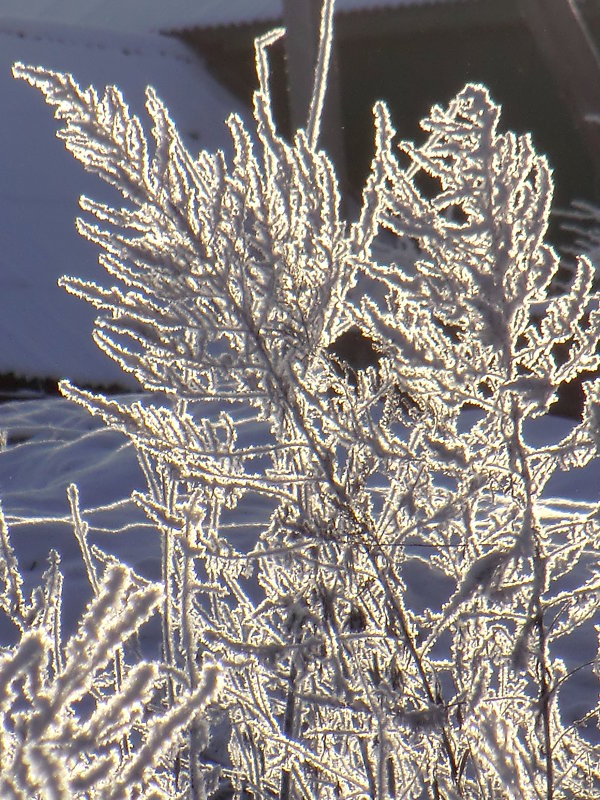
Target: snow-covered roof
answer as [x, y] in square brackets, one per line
[161, 15]
[43, 331]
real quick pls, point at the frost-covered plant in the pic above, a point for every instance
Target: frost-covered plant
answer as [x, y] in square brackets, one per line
[233, 279]
[76, 719]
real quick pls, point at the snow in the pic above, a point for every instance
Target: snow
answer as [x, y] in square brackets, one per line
[52, 443]
[44, 332]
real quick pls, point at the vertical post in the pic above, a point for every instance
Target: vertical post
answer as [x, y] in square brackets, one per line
[571, 56]
[302, 20]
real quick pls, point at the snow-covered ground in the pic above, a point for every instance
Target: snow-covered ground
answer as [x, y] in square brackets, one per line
[51, 443]
[44, 332]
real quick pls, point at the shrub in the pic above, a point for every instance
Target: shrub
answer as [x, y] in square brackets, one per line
[233, 279]
[80, 721]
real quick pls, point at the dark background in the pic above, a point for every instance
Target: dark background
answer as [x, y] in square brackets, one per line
[415, 56]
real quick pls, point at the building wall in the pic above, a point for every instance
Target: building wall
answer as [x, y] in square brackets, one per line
[415, 57]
